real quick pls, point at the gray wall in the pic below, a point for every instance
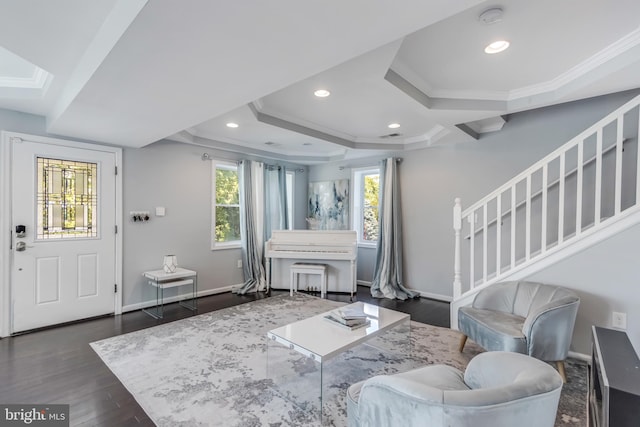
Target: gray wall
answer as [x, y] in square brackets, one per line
[173, 175]
[13, 121]
[605, 276]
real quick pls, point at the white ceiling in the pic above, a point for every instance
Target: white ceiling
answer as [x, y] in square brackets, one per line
[132, 72]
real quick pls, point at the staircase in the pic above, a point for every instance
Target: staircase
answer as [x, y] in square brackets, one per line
[584, 192]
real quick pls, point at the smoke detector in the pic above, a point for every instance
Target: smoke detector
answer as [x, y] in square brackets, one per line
[491, 16]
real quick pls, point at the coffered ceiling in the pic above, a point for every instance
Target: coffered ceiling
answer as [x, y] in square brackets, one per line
[132, 72]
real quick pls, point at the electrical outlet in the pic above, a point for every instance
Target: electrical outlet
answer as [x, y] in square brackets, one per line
[239, 263]
[619, 320]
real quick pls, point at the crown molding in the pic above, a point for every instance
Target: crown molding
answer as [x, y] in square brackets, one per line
[275, 118]
[434, 98]
[37, 80]
[263, 154]
[607, 54]
[438, 103]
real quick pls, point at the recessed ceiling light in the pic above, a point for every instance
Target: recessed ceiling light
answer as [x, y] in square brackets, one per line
[394, 126]
[496, 47]
[232, 125]
[322, 93]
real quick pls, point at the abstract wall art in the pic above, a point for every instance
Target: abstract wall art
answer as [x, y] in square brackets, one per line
[329, 205]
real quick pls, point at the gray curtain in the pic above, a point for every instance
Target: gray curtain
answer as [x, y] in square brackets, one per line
[387, 280]
[275, 200]
[253, 269]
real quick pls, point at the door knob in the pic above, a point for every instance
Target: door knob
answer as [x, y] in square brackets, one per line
[20, 246]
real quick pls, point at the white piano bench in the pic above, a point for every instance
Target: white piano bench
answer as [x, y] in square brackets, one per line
[303, 268]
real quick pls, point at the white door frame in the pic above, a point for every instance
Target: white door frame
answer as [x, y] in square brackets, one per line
[6, 253]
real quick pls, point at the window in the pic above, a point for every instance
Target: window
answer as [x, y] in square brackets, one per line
[67, 199]
[226, 206]
[366, 195]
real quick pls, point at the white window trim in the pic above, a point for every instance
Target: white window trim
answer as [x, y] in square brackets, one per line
[216, 246]
[357, 178]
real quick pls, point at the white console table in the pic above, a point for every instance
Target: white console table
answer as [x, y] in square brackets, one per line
[162, 280]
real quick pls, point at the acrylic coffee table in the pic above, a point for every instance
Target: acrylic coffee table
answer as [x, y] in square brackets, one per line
[319, 341]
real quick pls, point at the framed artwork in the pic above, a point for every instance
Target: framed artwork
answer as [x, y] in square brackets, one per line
[329, 205]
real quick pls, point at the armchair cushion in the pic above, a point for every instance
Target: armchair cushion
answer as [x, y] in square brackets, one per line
[420, 385]
[493, 330]
[497, 389]
[523, 317]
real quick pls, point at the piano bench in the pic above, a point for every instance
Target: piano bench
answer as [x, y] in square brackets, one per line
[303, 268]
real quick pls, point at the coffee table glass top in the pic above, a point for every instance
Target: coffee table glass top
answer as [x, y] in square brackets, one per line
[320, 339]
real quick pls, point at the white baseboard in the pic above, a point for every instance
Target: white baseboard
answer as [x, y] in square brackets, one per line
[202, 293]
[437, 297]
[429, 295]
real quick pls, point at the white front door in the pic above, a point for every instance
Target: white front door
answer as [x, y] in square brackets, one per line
[63, 224]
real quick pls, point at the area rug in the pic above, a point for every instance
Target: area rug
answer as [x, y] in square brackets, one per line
[211, 369]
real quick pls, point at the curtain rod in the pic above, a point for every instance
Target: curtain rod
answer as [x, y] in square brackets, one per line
[271, 167]
[206, 156]
[343, 167]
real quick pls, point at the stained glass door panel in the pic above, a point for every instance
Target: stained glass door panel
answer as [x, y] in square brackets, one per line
[66, 199]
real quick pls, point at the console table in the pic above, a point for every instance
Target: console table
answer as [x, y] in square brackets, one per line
[162, 280]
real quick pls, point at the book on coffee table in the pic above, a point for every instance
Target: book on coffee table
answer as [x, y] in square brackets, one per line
[348, 324]
[350, 312]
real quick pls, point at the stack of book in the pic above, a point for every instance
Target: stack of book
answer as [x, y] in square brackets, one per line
[351, 317]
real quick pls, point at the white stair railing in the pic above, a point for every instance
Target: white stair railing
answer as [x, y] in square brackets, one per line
[577, 190]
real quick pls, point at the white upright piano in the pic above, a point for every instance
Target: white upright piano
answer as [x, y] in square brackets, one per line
[323, 246]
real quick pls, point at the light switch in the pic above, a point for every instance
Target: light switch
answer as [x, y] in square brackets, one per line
[159, 211]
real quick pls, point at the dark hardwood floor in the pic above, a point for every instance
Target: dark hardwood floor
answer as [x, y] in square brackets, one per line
[57, 365]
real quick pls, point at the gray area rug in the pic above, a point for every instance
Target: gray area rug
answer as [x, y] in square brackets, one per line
[211, 369]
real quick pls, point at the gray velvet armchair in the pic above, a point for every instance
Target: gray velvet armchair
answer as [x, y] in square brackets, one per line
[522, 317]
[498, 389]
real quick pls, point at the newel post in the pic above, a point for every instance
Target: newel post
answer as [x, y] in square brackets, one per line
[457, 228]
